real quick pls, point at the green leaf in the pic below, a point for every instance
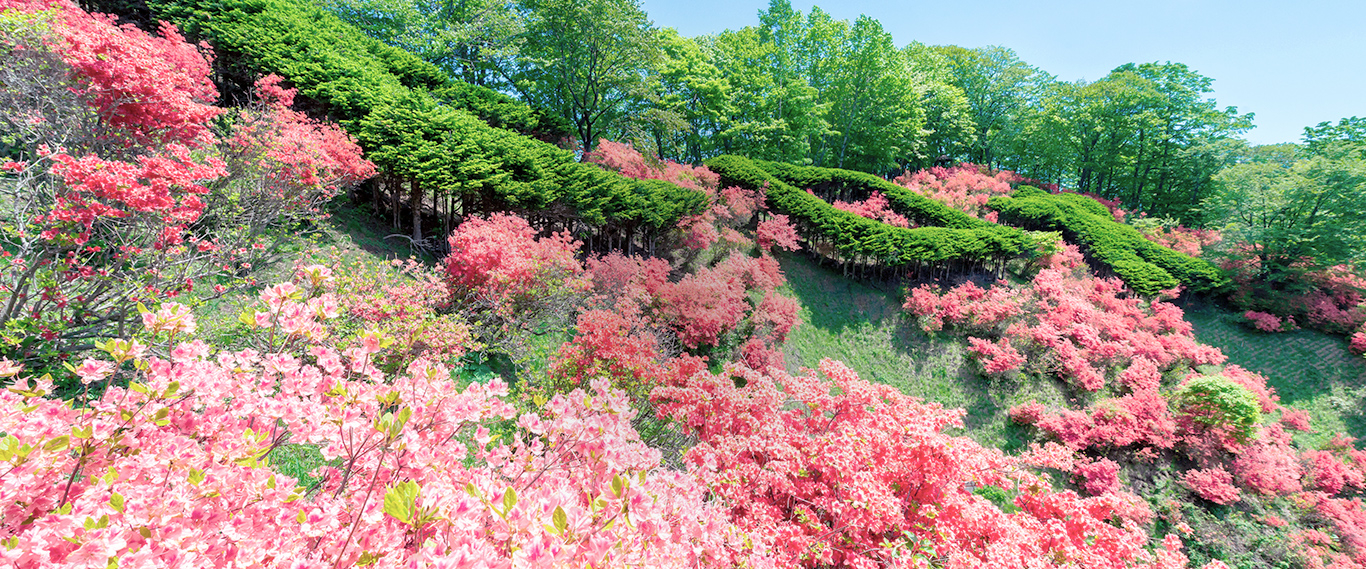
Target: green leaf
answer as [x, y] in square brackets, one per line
[57, 444]
[560, 520]
[400, 501]
[509, 500]
[116, 501]
[618, 485]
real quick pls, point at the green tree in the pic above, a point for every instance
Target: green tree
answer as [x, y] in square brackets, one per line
[948, 115]
[1309, 209]
[873, 103]
[468, 39]
[998, 86]
[690, 101]
[585, 61]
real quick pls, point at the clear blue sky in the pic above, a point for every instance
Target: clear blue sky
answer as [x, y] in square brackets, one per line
[1294, 64]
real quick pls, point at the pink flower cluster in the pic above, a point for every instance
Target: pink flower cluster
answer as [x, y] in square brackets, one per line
[727, 210]
[1213, 484]
[875, 207]
[837, 471]
[1186, 240]
[1267, 322]
[172, 470]
[966, 187]
[1080, 327]
[500, 263]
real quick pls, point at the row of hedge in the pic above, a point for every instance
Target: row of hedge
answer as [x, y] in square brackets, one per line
[849, 185]
[415, 123]
[1145, 266]
[854, 235]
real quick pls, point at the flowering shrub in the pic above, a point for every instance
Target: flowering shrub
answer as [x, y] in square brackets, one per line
[407, 302]
[1331, 300]
[842, 472]
[123, 191]
[1181, 239]
[727, 208]
[966, 187]
[1215, 485]
[499, 264]
[875, 207]
[1099, 477]
[1267, 322]
[1076, 326]
[171, 469]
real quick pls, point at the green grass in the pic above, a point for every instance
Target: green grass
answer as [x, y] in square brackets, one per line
[1309, 370]
[867, 330]
[348, 235]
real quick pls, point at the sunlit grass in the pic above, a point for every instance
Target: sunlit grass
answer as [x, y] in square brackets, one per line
[865, 328]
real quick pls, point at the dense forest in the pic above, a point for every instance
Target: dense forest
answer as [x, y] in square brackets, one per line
[626, 263]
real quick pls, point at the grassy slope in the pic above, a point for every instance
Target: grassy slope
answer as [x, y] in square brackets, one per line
[865, 328]
[1309, 370]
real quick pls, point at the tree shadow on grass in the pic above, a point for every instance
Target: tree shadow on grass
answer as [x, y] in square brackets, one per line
[1308, 369]
[836, 303]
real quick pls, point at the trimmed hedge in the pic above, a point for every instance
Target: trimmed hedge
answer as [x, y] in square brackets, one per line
[856, 186]
[416, 123]
[1145, 266]
[856, 235]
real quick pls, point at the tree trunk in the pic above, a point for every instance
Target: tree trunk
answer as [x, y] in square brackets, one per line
[415, 203]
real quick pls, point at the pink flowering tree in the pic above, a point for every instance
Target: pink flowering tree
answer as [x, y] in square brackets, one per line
[121, 191]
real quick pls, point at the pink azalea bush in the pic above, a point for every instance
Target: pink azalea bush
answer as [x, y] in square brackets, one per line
[170, 468]
[966, 187]
[875, 207]
[1214, 484]
[501, 265]
[125, 187]
[1081, 328]
[842, 472]
[727, 210]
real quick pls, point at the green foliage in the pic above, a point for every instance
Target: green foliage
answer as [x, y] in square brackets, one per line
[852, 186]
[1145, 266]
[857, 236]
[999, 88]
[446, 137]
[496, 109]
[1289, 212]
[466, 39]
[584, 61]
[329, 61]
[1217, 401]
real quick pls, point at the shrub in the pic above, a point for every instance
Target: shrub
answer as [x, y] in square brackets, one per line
[965, 187]
[1146, 267]
[1214, 484]
[499, 264]
[1215, 401]
[124, 191]
[857, 238]
[842, 472]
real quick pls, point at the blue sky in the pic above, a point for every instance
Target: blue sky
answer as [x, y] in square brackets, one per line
[1294, 64]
